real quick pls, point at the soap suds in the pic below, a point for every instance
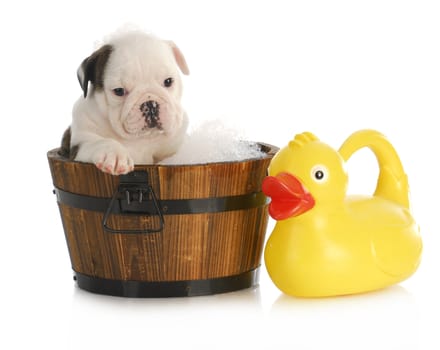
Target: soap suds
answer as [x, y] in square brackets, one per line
[213, 142]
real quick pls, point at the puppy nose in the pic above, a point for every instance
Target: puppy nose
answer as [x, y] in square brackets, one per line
[150, 111]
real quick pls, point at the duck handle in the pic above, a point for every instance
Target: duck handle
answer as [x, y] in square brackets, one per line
[392, 182]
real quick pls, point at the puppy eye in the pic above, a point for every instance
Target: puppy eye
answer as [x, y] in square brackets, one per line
[168, 82]
[119, 91]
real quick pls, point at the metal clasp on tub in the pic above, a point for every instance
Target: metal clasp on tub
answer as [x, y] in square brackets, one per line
[134, 196]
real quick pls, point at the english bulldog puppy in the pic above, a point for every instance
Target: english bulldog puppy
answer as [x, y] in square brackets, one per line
[130, 111]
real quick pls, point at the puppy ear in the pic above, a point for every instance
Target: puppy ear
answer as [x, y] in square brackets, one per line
[180, 59]
[92, 68]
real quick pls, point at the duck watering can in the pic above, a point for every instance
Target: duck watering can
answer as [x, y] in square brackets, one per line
[328, 243]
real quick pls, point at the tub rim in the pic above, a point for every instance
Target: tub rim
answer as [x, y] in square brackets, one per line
[267, 149]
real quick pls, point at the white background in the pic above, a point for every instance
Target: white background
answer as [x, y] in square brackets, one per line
[269, 68]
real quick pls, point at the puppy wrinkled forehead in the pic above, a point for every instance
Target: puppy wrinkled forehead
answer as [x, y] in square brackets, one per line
[138, 56]
[142, 46]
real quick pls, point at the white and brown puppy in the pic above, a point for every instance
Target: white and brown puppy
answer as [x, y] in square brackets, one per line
[131, 112]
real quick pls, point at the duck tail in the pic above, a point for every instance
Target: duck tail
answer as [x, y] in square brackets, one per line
[392, 182]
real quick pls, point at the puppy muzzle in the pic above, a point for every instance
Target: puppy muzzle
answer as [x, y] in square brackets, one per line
[148, 114]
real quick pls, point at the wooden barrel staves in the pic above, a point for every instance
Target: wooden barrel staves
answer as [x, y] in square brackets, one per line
[163, 230]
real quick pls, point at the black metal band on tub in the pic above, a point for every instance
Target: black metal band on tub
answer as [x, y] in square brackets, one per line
[144, 202]
[134, 195]
[143, 289]
[167, 206]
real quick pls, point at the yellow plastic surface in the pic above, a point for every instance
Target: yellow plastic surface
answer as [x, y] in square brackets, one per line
[343, 244]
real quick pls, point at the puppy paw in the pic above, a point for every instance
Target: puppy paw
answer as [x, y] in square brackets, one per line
[108, 155]
[114, 162]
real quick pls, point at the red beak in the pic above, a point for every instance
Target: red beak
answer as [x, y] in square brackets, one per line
[289, 196]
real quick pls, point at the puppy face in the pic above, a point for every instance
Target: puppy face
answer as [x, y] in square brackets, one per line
[136, 82]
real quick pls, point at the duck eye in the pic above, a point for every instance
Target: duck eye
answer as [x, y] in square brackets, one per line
[119, 91]
[319, 173]
[168, 82]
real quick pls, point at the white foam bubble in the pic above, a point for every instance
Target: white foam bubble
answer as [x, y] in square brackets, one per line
[213, 142]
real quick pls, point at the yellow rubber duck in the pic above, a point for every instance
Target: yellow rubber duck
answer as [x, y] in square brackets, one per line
[326, 243]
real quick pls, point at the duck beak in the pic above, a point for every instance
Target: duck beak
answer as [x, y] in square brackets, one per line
[288, 196]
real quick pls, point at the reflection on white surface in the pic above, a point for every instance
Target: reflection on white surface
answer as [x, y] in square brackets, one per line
[240, 320]
[186, 323]
[386, 319]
